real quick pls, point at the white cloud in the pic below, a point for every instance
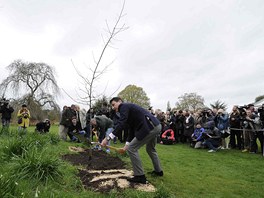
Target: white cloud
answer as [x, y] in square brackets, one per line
[213, 48]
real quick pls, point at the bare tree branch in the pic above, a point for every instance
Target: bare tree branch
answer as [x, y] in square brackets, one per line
[96, 72]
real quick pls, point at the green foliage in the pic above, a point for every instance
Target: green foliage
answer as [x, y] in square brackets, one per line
[259, 98]
[100, 103]
[54, 139]
[190, 101]
[14, 147]
[218, 105]
[162, 192]
[8, 187]
[37, 165]
[188, 172]
[135, 95]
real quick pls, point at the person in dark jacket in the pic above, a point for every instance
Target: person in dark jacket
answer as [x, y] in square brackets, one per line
[235, 129]
[144, 129]
[104, 126]
[89, 115]
[212, 136]
[75, 130]
[6, 110]
[43, 126]
[66, 121]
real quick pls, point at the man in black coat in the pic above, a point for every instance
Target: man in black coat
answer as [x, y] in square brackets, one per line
[143, 130]
[6, 110]
[43, 127]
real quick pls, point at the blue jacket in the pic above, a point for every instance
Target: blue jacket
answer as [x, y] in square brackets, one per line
[139, 120]
[198, 134]
[222, 121]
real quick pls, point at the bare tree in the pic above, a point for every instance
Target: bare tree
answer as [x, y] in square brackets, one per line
[96, 71]
[31, 83]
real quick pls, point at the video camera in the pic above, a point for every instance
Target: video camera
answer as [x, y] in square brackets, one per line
[242, 111]
[206, 113]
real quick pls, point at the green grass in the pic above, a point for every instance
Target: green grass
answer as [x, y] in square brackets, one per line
[188, 172]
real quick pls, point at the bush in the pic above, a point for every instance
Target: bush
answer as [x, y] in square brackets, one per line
[38, 166]
[14, 147]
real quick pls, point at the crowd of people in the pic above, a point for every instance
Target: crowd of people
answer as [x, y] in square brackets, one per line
[214, 128]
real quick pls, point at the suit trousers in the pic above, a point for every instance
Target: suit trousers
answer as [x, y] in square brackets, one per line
[150, 141]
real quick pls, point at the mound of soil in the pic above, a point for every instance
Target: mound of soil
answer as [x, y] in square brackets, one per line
[99, 160]
[103, 172]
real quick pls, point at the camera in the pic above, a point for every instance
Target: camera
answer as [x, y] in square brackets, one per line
[205, 112]
[242, 111]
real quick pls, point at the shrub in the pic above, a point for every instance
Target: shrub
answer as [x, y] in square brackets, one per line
[14, 147]
[38, 165]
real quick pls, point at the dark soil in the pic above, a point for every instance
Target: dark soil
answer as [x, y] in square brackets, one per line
[100, 160]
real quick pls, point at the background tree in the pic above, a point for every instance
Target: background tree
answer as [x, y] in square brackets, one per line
[136, 95]
[99, 103]
[190, 101]
[168, 106]
[33, 84]
[218, 105]
[259, 98]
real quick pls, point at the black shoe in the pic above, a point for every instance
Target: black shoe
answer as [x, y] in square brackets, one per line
[155, 173]
[138, 179]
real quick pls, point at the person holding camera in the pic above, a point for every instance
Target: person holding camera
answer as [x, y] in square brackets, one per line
[252, 126]
[222, 123]
[6, 110]
[235, 128]
[23, 116]
[261, 133]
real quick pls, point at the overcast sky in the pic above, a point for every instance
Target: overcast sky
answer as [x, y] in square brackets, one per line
[214, 48]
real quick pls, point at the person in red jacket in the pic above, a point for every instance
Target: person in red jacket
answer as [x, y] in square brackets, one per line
[167, 137]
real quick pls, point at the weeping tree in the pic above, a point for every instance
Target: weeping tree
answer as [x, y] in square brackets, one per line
[33, 84]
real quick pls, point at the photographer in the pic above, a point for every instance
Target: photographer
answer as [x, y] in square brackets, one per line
[235, 129]
[23, 116]
[6, 111]
[222, 123]
[252, 126]
[211, 136]
[261, 114]
[261, 117]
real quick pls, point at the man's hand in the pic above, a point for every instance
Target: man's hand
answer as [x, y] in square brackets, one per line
[104, 142]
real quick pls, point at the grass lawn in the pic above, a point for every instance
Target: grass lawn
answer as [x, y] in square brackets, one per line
[188, 172]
